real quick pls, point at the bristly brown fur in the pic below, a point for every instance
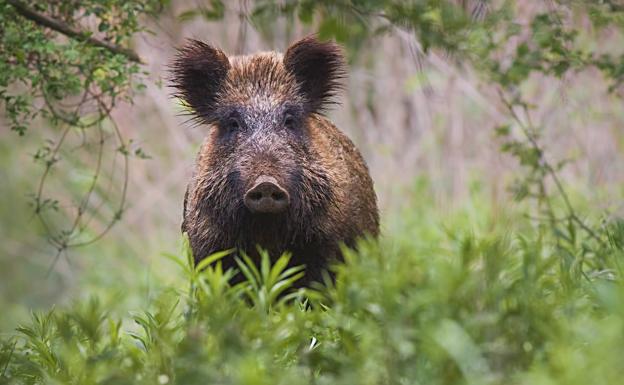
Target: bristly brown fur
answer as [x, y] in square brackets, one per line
[319, 68]
[259, 78]
[247, 101]
[198, 73]
[310, 70]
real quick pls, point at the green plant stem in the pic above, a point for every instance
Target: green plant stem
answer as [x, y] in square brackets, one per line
[6, 366]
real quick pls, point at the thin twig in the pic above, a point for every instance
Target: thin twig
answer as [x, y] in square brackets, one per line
[66, 30]
[526, 129]
[124, 191]
[48, 166]
[57, 256]
[96, 174]
[6, 366]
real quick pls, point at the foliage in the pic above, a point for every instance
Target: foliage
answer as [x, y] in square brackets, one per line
[477, 301]
[483, 297]
[53, 68]
[65, 62]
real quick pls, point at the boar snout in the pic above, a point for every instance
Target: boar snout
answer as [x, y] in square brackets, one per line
[266, 196]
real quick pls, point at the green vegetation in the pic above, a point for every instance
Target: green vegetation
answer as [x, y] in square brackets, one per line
[476, 297]
[484, 290]
[53, 67]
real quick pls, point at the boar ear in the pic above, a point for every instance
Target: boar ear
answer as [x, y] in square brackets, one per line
[198, 73]
[319, 68]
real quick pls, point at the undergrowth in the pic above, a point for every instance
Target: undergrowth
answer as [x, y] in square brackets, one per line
[495, 303]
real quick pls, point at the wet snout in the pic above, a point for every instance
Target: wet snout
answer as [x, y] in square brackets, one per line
[266, 196]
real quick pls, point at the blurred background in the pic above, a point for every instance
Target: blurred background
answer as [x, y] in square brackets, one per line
[424, 122]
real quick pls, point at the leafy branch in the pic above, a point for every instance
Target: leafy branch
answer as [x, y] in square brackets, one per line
[68, 89]
[540, 162]
[66, 30]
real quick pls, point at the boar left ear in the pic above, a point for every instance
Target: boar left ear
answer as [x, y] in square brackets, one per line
[198, 73]
[319, 68]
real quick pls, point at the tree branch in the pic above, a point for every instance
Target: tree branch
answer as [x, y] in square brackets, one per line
[66, 30]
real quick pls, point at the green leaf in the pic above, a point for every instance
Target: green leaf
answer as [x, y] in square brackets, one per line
[212, 258]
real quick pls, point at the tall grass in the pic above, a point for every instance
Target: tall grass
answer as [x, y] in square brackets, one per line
[476, 297]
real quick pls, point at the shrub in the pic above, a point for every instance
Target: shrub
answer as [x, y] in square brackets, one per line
[465, 303]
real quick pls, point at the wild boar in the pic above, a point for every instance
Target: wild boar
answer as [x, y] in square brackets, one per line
[273, 171]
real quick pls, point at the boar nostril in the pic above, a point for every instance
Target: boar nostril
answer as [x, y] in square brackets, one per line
[255, 195]
[266, 196]
[278, 196]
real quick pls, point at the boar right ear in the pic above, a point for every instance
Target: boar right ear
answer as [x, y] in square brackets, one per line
[319, 68]
[198, 73]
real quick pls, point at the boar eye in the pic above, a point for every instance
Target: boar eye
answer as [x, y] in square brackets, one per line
[232, 124]
[289, 121]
